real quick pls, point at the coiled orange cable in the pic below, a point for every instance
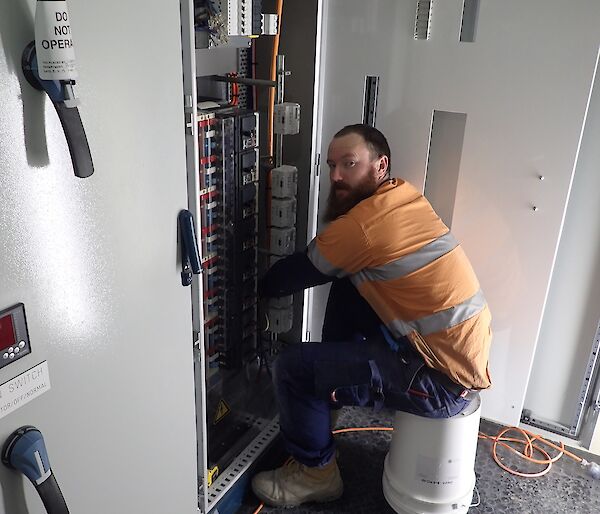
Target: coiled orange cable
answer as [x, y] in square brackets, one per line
[528, 450]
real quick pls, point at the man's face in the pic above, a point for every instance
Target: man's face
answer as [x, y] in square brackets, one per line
[354, 172]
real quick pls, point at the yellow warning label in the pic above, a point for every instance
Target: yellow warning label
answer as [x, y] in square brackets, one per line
[222, 411]
[211, 475]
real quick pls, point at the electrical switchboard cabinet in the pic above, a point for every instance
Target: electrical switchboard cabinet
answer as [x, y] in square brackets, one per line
[137, 368]
[234, 395]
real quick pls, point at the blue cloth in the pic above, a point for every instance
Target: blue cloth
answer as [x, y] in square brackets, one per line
[364, 373]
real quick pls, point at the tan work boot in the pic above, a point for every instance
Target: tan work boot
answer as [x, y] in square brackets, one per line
[294, 484]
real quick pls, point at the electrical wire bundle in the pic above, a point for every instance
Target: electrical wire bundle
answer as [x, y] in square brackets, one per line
[234, 91]
[207, 18]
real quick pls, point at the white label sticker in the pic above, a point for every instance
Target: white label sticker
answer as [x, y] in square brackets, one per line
[438, 470]
[23, 388]
[53, 41]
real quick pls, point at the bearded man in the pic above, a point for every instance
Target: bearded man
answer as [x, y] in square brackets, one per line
[409, 323]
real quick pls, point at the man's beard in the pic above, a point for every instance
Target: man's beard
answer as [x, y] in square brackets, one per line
[337, 207]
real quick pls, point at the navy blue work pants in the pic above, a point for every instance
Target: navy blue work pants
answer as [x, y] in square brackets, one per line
[364, 370]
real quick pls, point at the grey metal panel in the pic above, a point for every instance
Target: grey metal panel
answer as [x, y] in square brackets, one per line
[568, 330]
[443, 162]
[95, 263]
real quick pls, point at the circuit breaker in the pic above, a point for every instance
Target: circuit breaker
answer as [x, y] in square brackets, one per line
[229, 180]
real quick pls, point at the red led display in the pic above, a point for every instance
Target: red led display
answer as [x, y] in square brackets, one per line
[7, 332]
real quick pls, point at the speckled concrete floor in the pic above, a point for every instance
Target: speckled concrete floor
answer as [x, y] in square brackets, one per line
[564, 490]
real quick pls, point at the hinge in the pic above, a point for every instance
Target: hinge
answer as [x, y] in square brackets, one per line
[190, 123]
[318, 165]
[308, 336]
[197, 342]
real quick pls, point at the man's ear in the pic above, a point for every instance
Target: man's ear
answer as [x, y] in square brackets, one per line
[383, 166]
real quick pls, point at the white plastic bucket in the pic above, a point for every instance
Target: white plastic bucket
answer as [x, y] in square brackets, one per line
[430, 467]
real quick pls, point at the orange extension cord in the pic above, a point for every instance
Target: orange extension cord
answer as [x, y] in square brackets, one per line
[527, 453]
[273, 77]
[528, 450]
[271, 113]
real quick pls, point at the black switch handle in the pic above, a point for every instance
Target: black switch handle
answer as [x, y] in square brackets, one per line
[25, 451]
[58, 91]
[79, 148]
[190, 255]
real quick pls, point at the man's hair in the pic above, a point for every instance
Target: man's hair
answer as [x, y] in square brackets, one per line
[375, 140]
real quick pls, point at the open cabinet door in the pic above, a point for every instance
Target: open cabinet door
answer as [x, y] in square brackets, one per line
[95, 262]
[520, 89]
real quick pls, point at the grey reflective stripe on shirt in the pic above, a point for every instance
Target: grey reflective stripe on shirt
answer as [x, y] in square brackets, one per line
[321, 263]
[442, 320]
[408, 263]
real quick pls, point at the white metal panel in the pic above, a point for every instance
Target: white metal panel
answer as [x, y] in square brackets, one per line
[95, 262]
[573, 308]
[312, 317]
[359, 38]
[524, 85]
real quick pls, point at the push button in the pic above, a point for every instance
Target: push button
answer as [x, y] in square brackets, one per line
[22, 344]
[17, 349]
[11, 355]
[5, 356]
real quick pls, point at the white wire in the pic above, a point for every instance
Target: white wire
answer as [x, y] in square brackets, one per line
[478, 498]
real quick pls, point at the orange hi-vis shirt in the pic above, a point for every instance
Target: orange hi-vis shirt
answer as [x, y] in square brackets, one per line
[405, 262]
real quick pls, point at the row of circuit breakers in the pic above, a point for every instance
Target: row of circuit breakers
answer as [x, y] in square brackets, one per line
[229, 163]
[229, 175]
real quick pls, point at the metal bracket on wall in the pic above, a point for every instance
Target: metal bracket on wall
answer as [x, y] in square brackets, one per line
[529, 418]
[370, 100]
[423, 19]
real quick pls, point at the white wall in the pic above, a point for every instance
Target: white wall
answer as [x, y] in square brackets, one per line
[524, 85]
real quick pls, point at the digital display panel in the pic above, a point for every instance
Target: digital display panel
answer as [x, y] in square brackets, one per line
[7, 332]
